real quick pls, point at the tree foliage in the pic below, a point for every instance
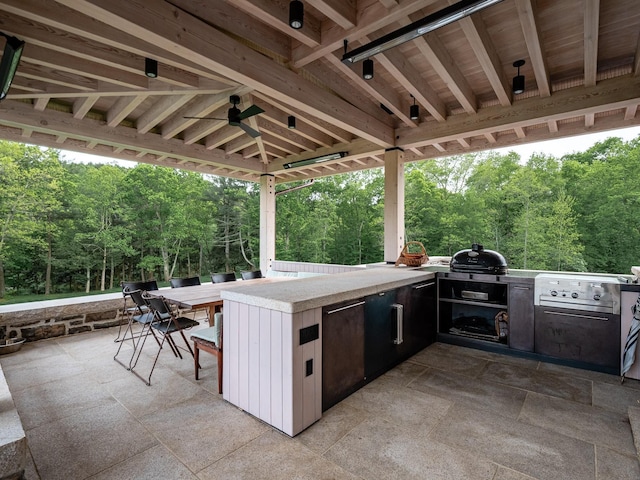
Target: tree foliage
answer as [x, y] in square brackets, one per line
[73, 227]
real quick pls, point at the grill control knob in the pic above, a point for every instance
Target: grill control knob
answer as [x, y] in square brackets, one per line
[574, 295]
[554, 293]
[596, 296]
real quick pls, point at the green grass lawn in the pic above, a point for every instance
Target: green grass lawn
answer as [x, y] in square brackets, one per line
[13, 299]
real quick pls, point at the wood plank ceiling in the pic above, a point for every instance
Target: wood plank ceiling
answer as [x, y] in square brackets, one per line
[81, 84]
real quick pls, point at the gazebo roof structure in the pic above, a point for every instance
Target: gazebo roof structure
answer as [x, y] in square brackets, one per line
[81, 83]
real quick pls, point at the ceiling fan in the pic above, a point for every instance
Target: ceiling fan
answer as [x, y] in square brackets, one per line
[235, 116]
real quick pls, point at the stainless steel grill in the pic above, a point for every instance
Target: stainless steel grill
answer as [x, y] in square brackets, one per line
[592, 293]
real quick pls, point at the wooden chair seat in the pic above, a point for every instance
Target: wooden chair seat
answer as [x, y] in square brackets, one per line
[209, 340]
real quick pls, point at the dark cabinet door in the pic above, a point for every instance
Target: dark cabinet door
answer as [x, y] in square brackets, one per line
[342, 351]
[381, 333]
[420, 316]
[521, 317]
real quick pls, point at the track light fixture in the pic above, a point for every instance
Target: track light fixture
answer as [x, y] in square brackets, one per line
[296, 14]
[414, 110]
[518, 80]
[416, 29]
[10, 60]
[367, 69]
[320, 159]
[291, 121]
[150, 67]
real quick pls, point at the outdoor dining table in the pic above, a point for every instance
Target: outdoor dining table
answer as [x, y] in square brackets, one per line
[207, 295]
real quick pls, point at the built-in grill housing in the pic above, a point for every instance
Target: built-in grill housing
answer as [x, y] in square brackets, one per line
[478, 260]
[577, 318]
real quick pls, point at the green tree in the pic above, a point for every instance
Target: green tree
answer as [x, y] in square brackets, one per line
[32, 182]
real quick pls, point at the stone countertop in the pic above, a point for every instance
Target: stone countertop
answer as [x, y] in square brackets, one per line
[308, 293]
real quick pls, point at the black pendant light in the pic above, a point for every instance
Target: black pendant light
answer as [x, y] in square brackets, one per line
[150, 67]
[296, 14]
[518, 80]
[414, 110]
[367, 69]
[291, 121]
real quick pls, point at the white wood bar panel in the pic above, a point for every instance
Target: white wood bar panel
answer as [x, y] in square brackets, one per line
[275, 382]
[287, 266]
[265, 365]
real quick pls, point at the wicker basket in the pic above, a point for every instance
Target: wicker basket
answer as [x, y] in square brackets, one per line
[413, 254]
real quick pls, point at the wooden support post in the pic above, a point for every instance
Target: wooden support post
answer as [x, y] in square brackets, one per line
[267, 221]
[393, 204]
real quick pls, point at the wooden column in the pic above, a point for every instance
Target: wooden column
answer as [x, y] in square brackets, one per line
[267, 221]
[393, 204]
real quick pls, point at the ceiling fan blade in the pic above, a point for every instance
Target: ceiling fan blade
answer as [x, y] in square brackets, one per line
[207, 118]
[250, 112]
[249, 130]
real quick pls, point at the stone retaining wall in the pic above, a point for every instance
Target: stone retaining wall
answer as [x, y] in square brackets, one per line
[40, 320]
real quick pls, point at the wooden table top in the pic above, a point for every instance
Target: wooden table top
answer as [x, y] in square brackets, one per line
[207, 294]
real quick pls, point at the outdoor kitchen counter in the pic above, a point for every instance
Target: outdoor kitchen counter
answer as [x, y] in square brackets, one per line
[309, 293]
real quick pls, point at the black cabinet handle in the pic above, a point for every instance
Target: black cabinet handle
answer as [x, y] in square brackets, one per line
[329, 312]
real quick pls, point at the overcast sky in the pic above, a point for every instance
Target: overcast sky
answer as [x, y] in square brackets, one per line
[557, 148]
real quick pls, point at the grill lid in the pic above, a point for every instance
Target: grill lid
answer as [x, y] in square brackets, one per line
[478, 260]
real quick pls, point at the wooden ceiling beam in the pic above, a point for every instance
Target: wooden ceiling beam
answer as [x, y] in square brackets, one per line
[333, 131]
[303, 129]
[371, 16]
[164, 25]
[436, 54]
[341, 12]
[238, 143]
[68, 19]
[82, 67]
[573, 129]
[485, 51]
[202, 106]
[636, 59]
[377, 89]
[81, 106]
[288, 135]
[105, 89]
[162, 109]
[612, 94]
[30, 88]
[122, 108]
[591, 27]
[327, 75]
[276, 14]
[528, 21]
[87, 130]
[55, 77]
[402, 70]
[356, 149]
[242, 25]
[52, 38]
[203, 128]
[285, 147]
[222, 136]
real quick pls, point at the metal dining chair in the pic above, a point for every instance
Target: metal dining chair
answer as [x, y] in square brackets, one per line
[166, 323]
[223, 277]
[142, 316]
[128, 310]
[184, 282]
[251, 274]
[187, 282]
